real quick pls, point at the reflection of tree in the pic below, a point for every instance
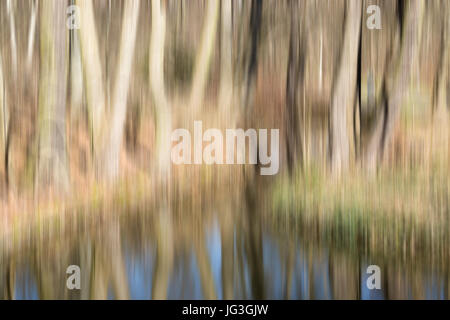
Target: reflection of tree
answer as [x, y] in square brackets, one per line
[108, 265]
[447, 284]
[204, 266]
[164, 254]
[98, 283]
[97, 246]
[7, 280]
[253, 246]
[227, 249]
[49, 269]
[289, 258]
[344, 276]
[240, 266]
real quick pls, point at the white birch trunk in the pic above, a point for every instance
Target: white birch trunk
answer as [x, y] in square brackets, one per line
[162, 107]
[119, 108]
[31, 36]
[76, 76]
[203, 59]
[52, 162]
[344, 90]
[2, 110]
[12, 30]
[95, 92]
[226, 78]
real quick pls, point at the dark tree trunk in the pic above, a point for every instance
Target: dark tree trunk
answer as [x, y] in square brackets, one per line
[255, 32]
[295, 76]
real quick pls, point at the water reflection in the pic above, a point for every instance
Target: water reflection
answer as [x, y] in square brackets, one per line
[228, 253]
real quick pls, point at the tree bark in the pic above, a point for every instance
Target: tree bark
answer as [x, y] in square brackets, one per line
[250, 76]
[95, 93]
[162, 107]
[226, 76]
[409, 50]
[31, 36]
[203, 59]
[2, 110]
[440, 133]
[344, 89]
[204, 268]
[164, 253]
[52, 162]
[12, 30]
[11, 117]
[295, 75]
[395, 83]
[227, 252]
[76, 75]
[3, 120]
[114, 136]
[442, 72]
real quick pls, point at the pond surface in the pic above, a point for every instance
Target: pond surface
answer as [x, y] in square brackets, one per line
[211, 253]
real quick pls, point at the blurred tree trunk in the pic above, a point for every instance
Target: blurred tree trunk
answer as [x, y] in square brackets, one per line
[227, 251]
[95, 93]
[85, 263]
[31, 36]
[251, 68]
[441, 80]
[52, 162]
[76, 75]
[396, 82]
[295, 76]
[226, 41]
[119, 275]
[162, 107]
[8, 280]
[164, 253]
[111, 261]
[251, 53]
[344, 89]
[11, 117]
[204, 268]
[408, 57]
[254, 243]
[12, 31]
[440, 132]
[203, 59]
[239, 23]
[99, 278]
[4, 118]
[289, 269]
[111, 149]
[2, 111]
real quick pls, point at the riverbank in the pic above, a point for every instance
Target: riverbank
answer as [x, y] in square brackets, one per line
[401, 210]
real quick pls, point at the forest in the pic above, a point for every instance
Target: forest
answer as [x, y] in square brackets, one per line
[91, 91]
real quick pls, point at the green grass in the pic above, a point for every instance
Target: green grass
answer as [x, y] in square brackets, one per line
[385, 209]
